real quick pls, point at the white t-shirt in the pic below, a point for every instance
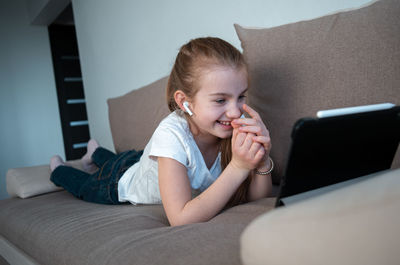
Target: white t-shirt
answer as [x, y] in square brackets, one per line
[172, 139]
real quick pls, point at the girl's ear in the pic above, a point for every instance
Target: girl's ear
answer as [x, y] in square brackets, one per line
[180, 97]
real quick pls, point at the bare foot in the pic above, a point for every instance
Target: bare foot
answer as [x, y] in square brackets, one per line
[87, 162]
[56, 161]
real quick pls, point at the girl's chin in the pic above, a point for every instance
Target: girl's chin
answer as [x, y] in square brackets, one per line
[225, 134]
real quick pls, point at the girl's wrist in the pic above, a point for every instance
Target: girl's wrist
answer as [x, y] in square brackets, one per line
[239, 168]
[266, 167]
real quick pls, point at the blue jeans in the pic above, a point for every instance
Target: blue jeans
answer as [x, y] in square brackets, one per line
[101, 186]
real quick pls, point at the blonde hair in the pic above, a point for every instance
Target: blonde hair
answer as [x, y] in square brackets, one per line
[193, 59]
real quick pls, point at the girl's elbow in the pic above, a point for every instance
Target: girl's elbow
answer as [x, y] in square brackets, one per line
[178, 222]
[177, 219]
[185, 219]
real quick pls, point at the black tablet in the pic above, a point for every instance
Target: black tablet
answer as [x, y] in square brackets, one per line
[343, 145]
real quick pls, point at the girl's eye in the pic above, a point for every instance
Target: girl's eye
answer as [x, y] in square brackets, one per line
[220, 101]
[242, 97]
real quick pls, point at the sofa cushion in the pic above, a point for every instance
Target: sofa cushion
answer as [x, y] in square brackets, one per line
[345, 59]
[357, 224]
[134, 116]
[26, 182]
[56, 228]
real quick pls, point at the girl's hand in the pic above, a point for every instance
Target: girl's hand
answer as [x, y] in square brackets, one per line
[255, 127]
[246, 153]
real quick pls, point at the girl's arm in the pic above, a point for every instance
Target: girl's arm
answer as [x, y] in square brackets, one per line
[177, 197]
[176, 191]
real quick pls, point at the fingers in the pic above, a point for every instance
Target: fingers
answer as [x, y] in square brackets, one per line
[251, 112]
[265, 141]
[262, 140]
[248, 151]
[251, 129]
[250, 139]
[244, 122]
[260, 154]
[255, 149]
[248, 142]
[253, 126]
[234, 135]
[243, 141]
[250, 124]
[248, 121]
[239, 138]
[235, 125]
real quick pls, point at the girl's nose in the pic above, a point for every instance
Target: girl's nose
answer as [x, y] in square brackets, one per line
[234, 111]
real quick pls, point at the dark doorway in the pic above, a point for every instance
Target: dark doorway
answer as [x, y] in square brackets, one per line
[68, 77]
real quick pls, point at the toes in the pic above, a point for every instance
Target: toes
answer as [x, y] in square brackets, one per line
[56, 161]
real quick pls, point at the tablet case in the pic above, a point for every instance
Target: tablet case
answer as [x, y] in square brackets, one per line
[326, 151]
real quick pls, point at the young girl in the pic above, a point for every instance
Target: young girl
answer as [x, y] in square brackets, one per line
[203, 147]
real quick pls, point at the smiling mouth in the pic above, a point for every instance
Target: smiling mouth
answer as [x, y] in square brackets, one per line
[226, 123]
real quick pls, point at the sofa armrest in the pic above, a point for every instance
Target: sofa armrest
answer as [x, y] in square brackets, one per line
[26, 182]
[357, 224]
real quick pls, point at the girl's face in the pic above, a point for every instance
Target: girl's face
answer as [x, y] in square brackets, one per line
[219, 100]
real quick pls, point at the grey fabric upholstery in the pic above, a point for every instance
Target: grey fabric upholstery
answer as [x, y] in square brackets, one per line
[345, 59]
[135, 115]
[56, 228]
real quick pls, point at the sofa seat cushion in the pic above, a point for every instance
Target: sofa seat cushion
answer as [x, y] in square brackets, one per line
[345, 59]
[57, 228]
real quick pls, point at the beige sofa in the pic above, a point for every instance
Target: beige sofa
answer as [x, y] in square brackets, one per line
[344, 59]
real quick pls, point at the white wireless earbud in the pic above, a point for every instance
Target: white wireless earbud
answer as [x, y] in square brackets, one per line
[186, 107]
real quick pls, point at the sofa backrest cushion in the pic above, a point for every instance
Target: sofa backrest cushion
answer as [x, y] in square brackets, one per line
[134, 116]
[345, 59]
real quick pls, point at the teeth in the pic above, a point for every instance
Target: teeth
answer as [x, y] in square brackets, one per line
[227, 123]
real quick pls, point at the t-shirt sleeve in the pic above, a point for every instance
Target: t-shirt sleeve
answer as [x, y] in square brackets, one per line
[168, 142]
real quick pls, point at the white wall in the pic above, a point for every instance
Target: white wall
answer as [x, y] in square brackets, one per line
[126, 44]
[30, 125]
